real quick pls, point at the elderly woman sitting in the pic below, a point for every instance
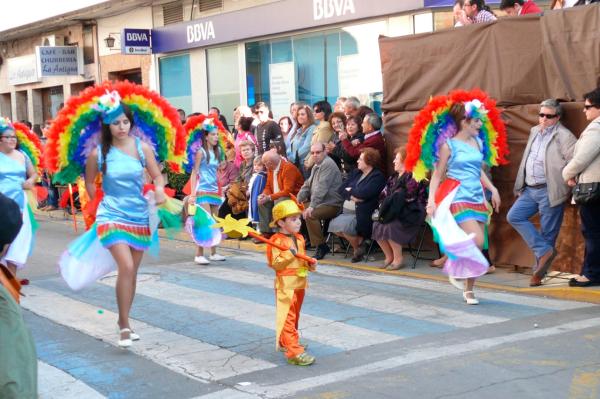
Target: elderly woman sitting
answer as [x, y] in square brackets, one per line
[401, 213]
[361, 192]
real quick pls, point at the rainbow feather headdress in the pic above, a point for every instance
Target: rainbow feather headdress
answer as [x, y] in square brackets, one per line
[433, 125]
[28, 141]
[195, 127]
[75, 131]
[30, 144]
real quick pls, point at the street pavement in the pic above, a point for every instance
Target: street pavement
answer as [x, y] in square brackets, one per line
[208, 332]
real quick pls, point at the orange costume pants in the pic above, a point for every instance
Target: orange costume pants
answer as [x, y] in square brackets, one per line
[289, 337]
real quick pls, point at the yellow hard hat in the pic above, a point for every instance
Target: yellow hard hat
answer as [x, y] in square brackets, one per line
[284, 209]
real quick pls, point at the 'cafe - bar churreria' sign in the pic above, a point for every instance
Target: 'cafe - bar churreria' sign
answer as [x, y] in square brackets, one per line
[59, 60]
[269, 19]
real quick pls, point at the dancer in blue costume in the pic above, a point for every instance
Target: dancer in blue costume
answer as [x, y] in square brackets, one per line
[207, 191]
[122, 220]
[16, 175]
[461, 159]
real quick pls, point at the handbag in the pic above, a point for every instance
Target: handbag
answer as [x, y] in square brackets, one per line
[586, 193]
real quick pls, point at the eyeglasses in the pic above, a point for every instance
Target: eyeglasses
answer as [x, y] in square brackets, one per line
[547, 116]
[317, 110]
[316, 152]
[9, 137]
[588, 106]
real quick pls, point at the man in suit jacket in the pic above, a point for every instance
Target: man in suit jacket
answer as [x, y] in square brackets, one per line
[371, 127]
[540, 188]
[519, 7]
[320, 196]
[283, 179]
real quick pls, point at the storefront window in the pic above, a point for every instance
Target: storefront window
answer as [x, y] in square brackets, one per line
[175, 81]
[223, 79]
[325, 65]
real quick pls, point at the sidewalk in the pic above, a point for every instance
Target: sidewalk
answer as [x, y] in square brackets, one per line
[504, 279]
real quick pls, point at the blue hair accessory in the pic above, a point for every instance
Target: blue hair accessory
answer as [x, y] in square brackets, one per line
[474, 109]
[5, 124]
[110, 106]
[209, 125]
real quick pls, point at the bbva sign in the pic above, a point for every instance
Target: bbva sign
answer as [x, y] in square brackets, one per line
[200, 32]
[323, 9]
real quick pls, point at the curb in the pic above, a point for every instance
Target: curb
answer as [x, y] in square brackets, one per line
[578, 294]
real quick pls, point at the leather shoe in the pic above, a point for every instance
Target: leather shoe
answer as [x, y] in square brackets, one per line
[543, 268]
[322, 250]
[576, 283]
[535, 281]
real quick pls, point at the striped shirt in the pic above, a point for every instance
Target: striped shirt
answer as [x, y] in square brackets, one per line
[484, 16]
[535, 167]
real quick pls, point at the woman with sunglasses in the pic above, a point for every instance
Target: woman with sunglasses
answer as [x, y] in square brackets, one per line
[323, 132]
[539, 186]
[17, 174]
[585, 168]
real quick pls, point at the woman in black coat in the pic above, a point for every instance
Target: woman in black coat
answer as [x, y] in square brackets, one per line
[361, 193]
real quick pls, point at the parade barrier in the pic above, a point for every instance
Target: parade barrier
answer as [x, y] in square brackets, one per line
[519, 61]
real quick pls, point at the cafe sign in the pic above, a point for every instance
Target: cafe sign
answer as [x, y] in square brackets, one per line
[59, 60]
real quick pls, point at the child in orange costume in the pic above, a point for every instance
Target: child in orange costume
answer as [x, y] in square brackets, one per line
[290, 280]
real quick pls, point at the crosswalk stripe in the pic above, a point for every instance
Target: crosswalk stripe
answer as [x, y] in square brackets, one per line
[228, 394]
[54, 383]
[408, 282]
[326, 331]
[379, 303]
[184, 355]
[413, 356]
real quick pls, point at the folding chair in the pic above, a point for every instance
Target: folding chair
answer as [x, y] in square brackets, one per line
[419, 249]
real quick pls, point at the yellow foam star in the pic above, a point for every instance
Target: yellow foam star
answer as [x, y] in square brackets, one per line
[233, 227]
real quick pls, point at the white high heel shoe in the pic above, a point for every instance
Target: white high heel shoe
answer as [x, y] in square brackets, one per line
[132, 334]
[470, 301]
[124, 343]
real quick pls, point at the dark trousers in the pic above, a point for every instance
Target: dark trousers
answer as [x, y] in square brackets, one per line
[590, 227]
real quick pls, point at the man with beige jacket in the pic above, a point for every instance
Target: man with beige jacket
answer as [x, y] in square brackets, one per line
[585, 168]
[540, 188]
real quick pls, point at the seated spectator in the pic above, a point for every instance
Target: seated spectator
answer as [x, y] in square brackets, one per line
[283, 180]
[300, 141]
[279, 147]
[323, 132]
[243, 134]
[320, 196]
[285, 124]
[353, 133]
[458, 13]
[256, 186]
[351, 107]
[226, 174]
[401, 213]
[477, 12]
[360, 192]
[363, 111]
[373, 138]
[519, 7]
[236, 202]
[339, 104]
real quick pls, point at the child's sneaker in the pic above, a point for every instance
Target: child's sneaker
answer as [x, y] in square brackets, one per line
[303, 359]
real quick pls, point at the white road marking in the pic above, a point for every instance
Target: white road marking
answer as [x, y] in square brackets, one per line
[54, 383]
[380, 303]
[425, 353]
[325, 331]
[184, 355]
